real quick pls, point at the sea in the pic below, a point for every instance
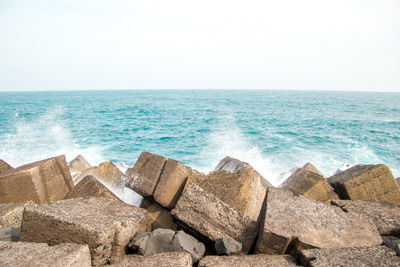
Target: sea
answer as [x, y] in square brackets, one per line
[273, 130]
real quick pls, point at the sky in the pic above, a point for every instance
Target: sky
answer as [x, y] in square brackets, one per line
[125, 44]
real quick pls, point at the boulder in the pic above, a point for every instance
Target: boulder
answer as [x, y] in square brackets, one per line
[243, 189]
[11, 214]
[9, 234]
[143, 177]
[227, 246]
[39, 254]
[77, 165]
[385, 215]
[209, 218]
[90, 187]
[392, 242]
[166, 259]
[42, 182]
[292, 223]
[366, 182]
[350, 257]
[171, 183]
[4, 167]
[310, 184]
[106, 172]
[105, 225]
[248, 261]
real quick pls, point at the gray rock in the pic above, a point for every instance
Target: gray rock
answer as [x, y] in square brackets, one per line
[189, 244]
[231, 165]
[139, 242]
[159, 241]
[392, 242]
[227, 246]
[166, 259]
[248, 261]
[9, 234]
[350, 257]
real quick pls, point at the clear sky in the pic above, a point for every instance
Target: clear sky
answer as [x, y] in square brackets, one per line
[126, 44]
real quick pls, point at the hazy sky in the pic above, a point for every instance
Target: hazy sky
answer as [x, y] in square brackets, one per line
[126, 44]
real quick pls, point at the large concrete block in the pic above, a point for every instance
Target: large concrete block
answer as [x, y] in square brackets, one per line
[11, 214]
[4, 167]
[42, 182]
[366, 182]
[77, 165]
[350, 257]
[167, 259]
[385, 215]
[202, 213]
[309, 182]
[90, 187]
[105, 225]
[106, 172]
[248, 261]
[292, 223]
[39, 254]
[144, 175]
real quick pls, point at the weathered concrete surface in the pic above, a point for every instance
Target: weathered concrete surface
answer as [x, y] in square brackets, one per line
[11, 214]
[9, 234]
[144, 175]
[309, 182]
[248, 261]
[39, 254]
[366, 182]
[243, 189]
[171, 183]
[161, 218]
[204, 214]
[350, 257]
[392, 242]
[44, 181]
[167, 259]
[292, 223]
[89, 187]
[231, 165]
[77, 165]
[4, 166]
[105, 225]
[106, 172]
[227, 246]
[385, 215]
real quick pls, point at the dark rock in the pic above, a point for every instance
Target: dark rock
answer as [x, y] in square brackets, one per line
[227, 246]
[9, 234]
[176, 259]
[248, 261]
[139, 242]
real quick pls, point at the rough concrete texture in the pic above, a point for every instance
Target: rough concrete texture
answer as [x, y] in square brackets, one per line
[11, 214]
[248, 261]
[106, 172]
[366, 182]
[385, 215]
[227, 246]
[292, 223]
[392, 242]
[161, 218]
[311, 168]
[244, 190]
[144, 175]
[77, 165]
[105, 225]
[350, 257]
[44, 181]
[204, 214]
[9, 234]
[309, 184]
[171, 183]
[89, 187]
[4, 166]
[39, 254]
[167, 259]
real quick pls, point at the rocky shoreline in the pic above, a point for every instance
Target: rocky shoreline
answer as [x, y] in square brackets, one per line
[54, 213]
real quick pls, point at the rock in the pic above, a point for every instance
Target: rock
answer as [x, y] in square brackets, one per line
[167, 259]
[161, 218]
[350, 257]
[105, 225]
[310, 184]
[171, 183]
[366, 182]
[230, 165]
[90, 187]
[392, 242]
[77, 177]
[9, 234]
[139, 242]
[311, 168]
[385, 215]
[77, 165]
[42, 182]
[204, 215]
[159, 241]
[248, 261]
[39, 254]
[106, 172]
[143, 177]
[4, 167]
[11, 214]
[292, 223]
[227, 246]
[244, 189]
[189, 244]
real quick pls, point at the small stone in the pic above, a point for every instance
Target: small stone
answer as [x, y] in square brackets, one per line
[227, 246]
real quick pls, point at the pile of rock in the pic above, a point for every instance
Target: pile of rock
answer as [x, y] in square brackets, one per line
[54, 213]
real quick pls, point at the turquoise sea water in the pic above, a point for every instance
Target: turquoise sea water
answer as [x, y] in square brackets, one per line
[272, 130]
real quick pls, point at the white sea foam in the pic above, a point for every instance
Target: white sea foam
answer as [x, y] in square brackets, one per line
[43, 137]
